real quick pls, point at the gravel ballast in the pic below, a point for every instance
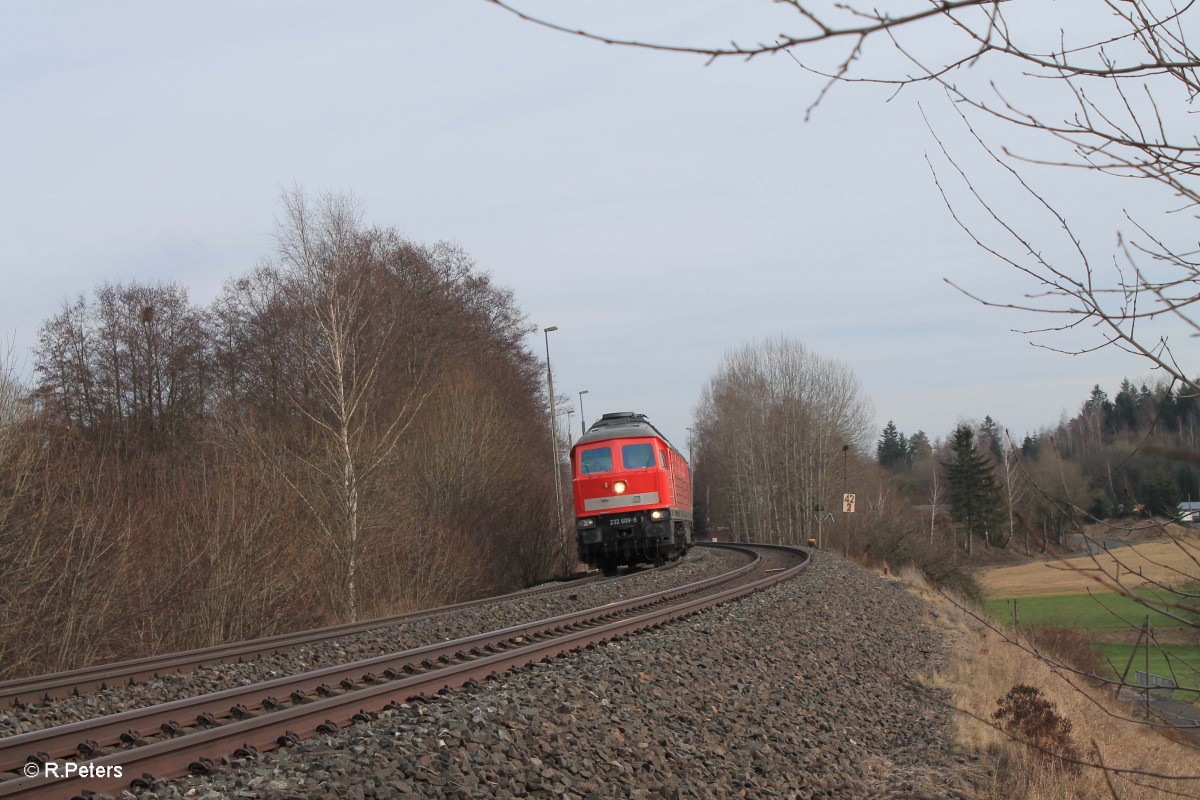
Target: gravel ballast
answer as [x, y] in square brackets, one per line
[701, 563]
[796, 691]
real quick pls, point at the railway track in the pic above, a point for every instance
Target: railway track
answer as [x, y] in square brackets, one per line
[102, 676]
[133, 748]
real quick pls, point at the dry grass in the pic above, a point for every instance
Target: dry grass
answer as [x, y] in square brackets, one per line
[1165, 561]
[982, 668]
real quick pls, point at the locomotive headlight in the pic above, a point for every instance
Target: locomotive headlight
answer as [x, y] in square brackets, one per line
[658, 514]
[585, 523]
[619, 487]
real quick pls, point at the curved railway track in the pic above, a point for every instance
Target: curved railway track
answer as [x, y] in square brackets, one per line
[168, 740]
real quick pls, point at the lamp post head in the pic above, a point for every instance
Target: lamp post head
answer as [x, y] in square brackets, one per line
[582, 421]
[551, 328]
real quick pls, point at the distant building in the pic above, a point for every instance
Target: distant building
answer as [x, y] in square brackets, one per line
[1189, 514]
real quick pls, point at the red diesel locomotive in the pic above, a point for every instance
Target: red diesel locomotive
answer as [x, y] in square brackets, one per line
[632, 492]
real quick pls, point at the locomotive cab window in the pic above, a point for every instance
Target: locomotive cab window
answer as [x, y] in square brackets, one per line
[662, 455]
[637, 456]
[598, 459]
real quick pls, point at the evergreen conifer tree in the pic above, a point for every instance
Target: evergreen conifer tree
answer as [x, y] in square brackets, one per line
[1032, 446]
[974, 500]
[989, 437]
[919, 447]
[1125, 407]
[892, 448]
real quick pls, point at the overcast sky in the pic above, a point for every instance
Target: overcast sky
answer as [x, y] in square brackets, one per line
[658, 211]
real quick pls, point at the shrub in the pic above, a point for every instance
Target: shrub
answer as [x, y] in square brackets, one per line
[1068, 646]
[1026, 714]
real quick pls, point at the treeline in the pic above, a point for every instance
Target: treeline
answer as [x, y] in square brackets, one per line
[345, 432]
[1115, 459]
[780, 435]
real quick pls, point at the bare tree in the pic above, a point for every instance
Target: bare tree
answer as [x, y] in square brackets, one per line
[331, 265]
[64, 535]
[259, 342]
[402, 322]
[936, 493]
[131, 366]
[771, 424]
[1012, 488]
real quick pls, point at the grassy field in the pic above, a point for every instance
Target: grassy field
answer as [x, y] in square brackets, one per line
[1076, 594]
[1185, 661]
[1163, 561]
[1101, 611]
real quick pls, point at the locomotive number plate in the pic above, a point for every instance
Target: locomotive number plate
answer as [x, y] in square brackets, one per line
[623, 521]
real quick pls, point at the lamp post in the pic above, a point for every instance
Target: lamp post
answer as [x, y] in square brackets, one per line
[845, 515]
[554, 447]
[582, 419]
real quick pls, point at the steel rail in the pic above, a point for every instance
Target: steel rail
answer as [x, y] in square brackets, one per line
[127, 727]
[58, 685]
[175, 757]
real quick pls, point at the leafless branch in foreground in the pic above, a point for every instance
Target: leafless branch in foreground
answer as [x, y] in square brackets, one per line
[1126, 83]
